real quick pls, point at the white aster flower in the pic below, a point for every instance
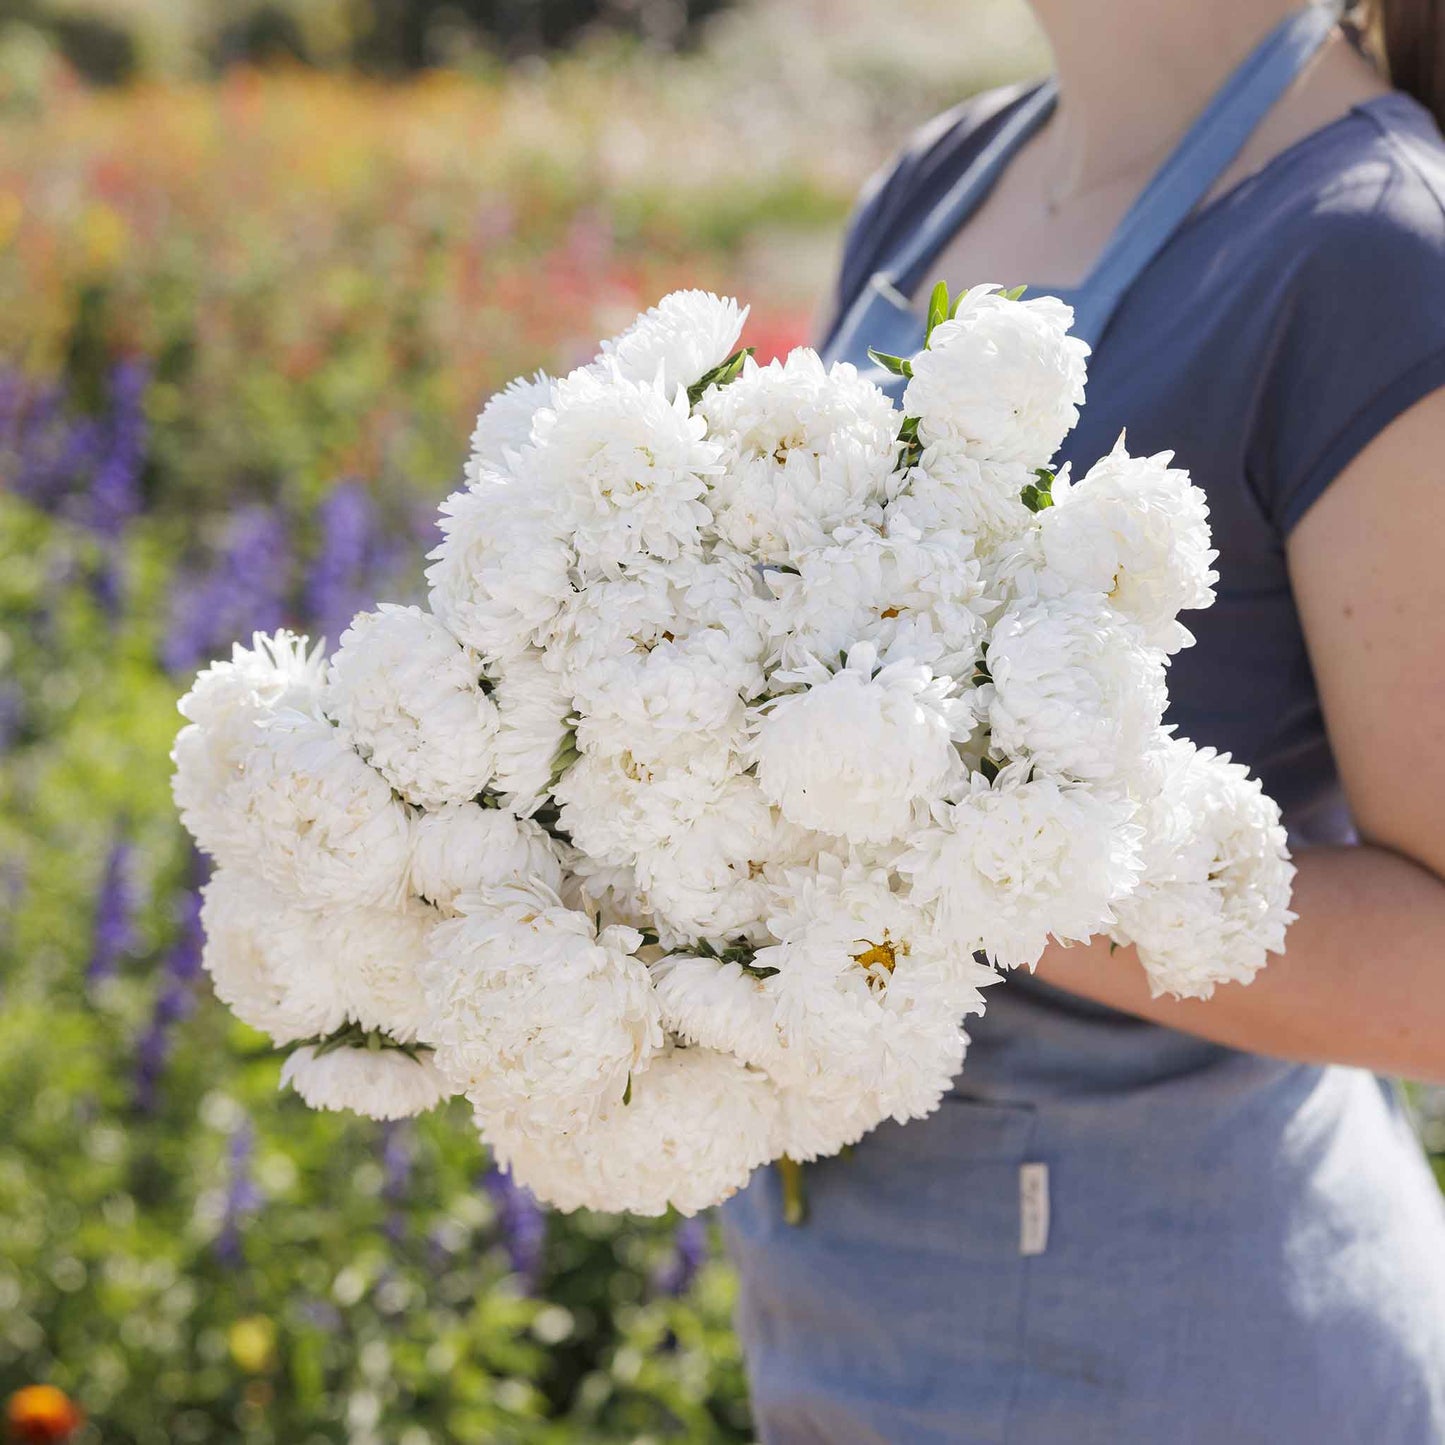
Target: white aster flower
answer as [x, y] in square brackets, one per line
[616, 805]
[224, 709]
[532, 1010]
[806, 448]
[915, 598]
[260, 953]
[296, 972]
[534, 710]
[863, 994]
[505, 425]
[611, 894]
[626, 467]
[312, 819]
[468, 848]
[409, 698]
[716, 876]
[698, 1123]
[1074, 689]
[1003, 377]
[503, 569]
[383, 1083]
[855, 752]
[1213, 902]
[1135, 530]
[1022, 859]
[950, 490]
[663, 705]
[717, 1003]
[678, 341]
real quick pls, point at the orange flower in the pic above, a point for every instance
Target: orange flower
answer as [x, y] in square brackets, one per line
[41, 1414]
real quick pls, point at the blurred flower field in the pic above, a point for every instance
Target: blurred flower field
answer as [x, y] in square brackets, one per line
[244, 329]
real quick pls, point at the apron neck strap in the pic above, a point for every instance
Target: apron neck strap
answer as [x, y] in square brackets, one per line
[1207, 151]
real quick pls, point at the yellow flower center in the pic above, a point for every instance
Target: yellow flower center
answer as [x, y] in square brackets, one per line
[878, 960]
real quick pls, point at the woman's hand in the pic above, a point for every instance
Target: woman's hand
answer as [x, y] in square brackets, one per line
[1363, 981]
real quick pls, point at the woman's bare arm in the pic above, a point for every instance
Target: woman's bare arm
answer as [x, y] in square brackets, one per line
[1363, 981]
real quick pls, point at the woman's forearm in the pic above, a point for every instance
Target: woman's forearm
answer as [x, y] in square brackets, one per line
[1362, 981]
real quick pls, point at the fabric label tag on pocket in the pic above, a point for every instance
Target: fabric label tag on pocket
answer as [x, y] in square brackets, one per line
[1033, 1208]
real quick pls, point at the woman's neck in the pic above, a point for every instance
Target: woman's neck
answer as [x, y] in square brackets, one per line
[1134, 73]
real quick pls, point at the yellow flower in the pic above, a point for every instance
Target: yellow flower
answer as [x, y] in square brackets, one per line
[252, 1342]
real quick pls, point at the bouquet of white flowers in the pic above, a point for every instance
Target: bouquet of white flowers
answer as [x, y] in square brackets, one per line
[753, 726]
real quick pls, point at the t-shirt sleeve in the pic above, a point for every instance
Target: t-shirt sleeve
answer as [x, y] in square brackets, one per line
[1360, 336]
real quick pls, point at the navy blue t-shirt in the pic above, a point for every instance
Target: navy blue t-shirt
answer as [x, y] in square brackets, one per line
[1282, 327]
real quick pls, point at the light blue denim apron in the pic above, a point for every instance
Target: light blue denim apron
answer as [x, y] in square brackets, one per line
[1110, 1233]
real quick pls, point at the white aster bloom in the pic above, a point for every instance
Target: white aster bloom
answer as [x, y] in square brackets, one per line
[312, 819]
[616, 805]
[1074, 689]
[950, 490]
[505, 425]
[261, 954]
[468, 848]
[503, 569]
[296, 972]
[1014, 862]
[716, 877]
[409, 698]
[1137, 531]
[626, 467]
[611, 894]
[534, 710]
[1003, 377]
[1213, 902]
[678, 341]
[383, 1083]
[806, 448]
[863, 991]
[661, 706]
[531, 1009]
[224, 710]
[717, 1003]
[856, 751]
[697, 1125]
[915, 598]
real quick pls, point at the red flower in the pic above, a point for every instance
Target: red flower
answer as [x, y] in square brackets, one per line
[41, 1415]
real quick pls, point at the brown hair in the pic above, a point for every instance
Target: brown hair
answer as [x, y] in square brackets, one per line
[1408, 38]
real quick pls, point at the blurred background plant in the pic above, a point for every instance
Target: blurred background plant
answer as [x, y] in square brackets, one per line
[259, 266]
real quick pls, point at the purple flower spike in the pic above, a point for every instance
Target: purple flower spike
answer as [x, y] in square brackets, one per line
[689, 1254]
[245, 592]
[174, 1002]
[522, 1223]
[113, 934]
[243, 1199]
[397, 1155]
[337, 586]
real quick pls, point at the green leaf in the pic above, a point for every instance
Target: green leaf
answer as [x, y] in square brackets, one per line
[958, 302]
[720, 375]
[937, 309]
[1017, 294]
[898, 365]
[1038, 495]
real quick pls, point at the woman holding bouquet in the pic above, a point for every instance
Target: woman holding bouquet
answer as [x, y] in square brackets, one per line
[1142, 1221]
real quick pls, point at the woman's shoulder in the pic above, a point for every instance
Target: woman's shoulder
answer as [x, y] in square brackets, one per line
[917, 174]
[1365, 194]
[1340, 263]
